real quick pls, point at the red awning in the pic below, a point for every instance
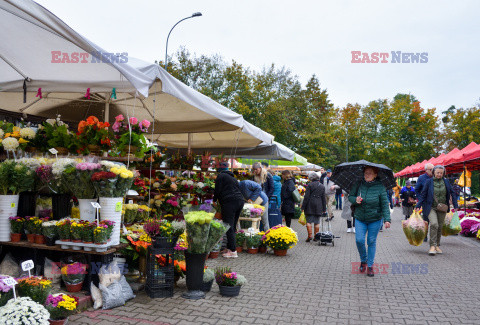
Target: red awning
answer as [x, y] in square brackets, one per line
[458, 157]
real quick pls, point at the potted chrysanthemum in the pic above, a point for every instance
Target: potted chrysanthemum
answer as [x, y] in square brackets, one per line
[280, 238]
[24, 311]
[229, 282]
[60, 306]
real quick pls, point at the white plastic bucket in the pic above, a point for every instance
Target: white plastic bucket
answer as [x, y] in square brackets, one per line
[8, 208]
[87, 211]
[111, 209]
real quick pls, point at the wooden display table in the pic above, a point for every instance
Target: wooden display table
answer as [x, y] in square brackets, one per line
[255, 223]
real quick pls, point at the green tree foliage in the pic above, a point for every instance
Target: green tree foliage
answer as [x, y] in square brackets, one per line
[396, 133]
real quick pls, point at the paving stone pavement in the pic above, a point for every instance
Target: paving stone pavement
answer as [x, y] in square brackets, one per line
[314, 285]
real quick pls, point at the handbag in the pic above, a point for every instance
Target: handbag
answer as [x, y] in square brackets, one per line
[441, 206]
[296, 196]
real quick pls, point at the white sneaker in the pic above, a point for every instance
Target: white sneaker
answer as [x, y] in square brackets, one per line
[349, 230]
[353, 229]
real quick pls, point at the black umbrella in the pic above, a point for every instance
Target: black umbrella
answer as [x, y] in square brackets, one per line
[347, 174]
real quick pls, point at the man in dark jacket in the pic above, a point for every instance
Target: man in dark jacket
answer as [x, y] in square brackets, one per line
[227, 192]
[420, 185]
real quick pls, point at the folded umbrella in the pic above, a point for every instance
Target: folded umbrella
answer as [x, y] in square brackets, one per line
[347, 174]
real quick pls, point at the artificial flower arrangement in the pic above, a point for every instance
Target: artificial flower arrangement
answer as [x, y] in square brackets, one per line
[16, 224]
[129, 138]
[15, 178]
[226, 278]
[114, 181]
[60, 306]
[36, 287]
[24, 311]
[6, 292]
[93, 136]
[280, 238]
[73, 273]
[78, 178]
[58, 135]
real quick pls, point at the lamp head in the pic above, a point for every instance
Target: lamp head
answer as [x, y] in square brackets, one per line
[196, 14]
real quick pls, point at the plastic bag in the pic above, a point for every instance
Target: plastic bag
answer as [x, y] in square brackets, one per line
[461, 180]
[415, 229]
[302, 220]
[452, 224]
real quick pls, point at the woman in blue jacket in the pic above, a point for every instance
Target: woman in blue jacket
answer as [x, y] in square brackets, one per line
[435, 191]
[251, 191]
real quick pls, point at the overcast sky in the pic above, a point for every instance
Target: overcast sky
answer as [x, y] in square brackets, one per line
[308, 37]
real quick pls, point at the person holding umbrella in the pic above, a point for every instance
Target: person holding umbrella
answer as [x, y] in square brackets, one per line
[369, 198]
[367, 184]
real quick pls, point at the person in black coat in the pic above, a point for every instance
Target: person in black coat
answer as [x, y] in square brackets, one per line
[228, 194]
[314, 204]
[288, 204]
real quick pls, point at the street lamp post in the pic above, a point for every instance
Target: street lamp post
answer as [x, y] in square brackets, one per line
[195, 14]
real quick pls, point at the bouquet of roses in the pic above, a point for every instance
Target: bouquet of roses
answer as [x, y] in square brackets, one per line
[115, 181]
[78, 178]
[60, 306]
[73, 273]
[198, 227]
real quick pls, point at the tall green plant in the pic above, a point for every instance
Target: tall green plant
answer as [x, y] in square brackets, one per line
[15, 178]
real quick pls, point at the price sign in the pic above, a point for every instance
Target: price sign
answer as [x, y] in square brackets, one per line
[12, 205]
[96, 205]
[53, 151]
[27, 266]
[118, 207]
[10, 282]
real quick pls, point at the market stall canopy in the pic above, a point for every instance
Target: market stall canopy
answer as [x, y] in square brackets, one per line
[458, 157]
[310, 167]
[29, 32]
[31, 36]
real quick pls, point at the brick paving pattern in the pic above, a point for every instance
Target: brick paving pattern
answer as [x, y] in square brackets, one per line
[314, 285]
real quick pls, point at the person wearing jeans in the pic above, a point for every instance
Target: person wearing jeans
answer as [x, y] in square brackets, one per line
[370, 201]
[338, 199]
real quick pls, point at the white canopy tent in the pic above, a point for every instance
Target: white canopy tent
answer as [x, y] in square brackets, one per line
[29, 33]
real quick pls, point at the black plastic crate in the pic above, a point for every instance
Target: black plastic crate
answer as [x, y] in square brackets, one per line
[159, 292]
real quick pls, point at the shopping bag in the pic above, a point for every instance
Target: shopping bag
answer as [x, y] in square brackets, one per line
[302, 220]
[415, 229]
[452, 224]
[296, 196]
[461, 179]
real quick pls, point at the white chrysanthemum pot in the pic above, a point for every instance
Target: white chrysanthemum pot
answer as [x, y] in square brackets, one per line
[111, 209]
[8, 208]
